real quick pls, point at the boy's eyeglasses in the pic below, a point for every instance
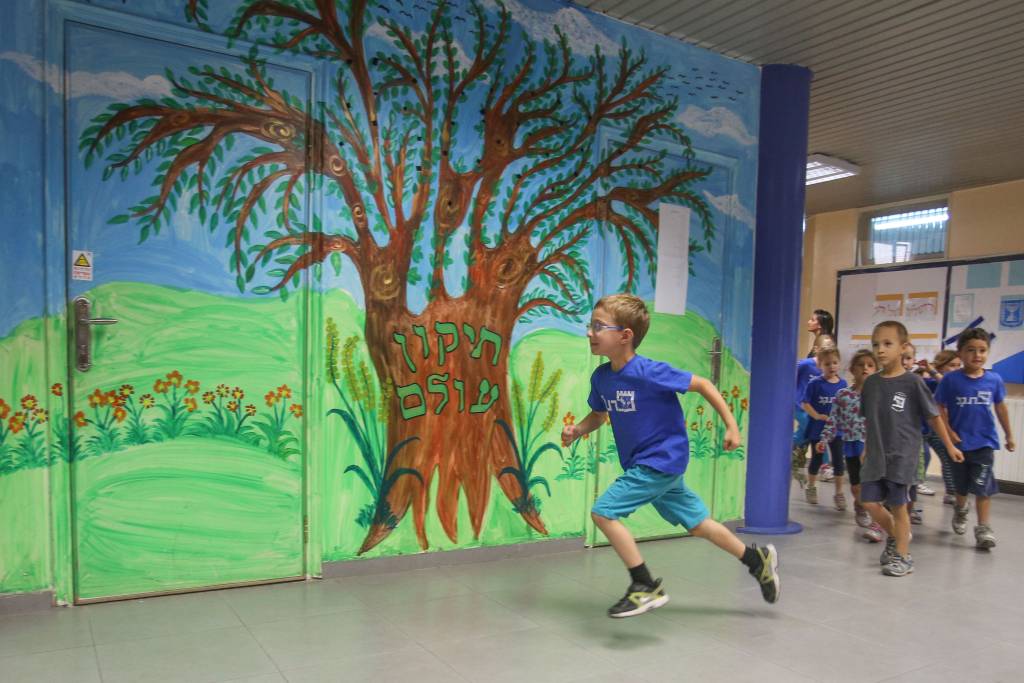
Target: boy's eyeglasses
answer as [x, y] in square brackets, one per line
[597, 327]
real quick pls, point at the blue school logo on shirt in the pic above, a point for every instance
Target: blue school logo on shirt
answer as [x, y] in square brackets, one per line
[624, 402]
[983, 398]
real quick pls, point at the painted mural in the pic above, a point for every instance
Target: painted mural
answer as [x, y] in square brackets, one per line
[351, 248]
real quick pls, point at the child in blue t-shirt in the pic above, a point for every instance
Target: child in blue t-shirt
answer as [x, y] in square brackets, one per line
[806, 370]
[639, 396]
[817, 402]
[966, 398]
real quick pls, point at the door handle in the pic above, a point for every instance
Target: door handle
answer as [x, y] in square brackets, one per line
[83, 336]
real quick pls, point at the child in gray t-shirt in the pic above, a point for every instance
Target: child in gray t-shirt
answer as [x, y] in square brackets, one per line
[894, 402]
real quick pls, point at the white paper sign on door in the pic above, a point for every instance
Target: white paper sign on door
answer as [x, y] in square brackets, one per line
[673, 259]
[81, 265]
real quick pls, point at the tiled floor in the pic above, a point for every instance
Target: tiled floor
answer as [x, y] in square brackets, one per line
[959, 616]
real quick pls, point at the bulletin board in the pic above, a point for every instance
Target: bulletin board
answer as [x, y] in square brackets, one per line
[936, 301]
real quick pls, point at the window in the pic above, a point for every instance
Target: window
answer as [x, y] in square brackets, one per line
[904, 234]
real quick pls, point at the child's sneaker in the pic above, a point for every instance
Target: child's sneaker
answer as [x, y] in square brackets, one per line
[826, 473]
[925, 490]
[899, 566]
[873, 533]
[983, 537]
[889, 552]
[916, 516]
[639, 598]
[960, 521]
[767, 572]
[811, 494]
[949, 499]
[863, 519]
[840, 501]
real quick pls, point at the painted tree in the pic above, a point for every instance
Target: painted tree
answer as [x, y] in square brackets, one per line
[492, 157]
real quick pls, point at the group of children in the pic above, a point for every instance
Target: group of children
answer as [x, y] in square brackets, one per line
[873, 429]
[880, 430]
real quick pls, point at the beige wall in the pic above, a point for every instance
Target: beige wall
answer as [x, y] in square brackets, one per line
[984, 221]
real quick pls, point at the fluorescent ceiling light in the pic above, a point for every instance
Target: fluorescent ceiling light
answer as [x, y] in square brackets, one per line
[821, 169]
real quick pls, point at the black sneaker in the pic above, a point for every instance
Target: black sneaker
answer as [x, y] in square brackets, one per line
[890, 551]
[767, 572]
[639, 598]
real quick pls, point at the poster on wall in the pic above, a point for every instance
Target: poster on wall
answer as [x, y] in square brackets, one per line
[991, 295]
[912, 296]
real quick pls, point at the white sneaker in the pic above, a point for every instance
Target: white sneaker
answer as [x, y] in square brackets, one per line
[925, 490]
[826, 473]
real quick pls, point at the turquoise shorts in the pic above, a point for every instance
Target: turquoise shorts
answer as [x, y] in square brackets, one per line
[641, 485]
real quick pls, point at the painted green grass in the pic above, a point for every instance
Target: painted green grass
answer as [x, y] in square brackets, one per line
[257, 344]
[186, 513]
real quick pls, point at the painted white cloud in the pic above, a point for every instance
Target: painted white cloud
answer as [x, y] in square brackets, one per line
[583, 36]
[730, 205]
[118, 85]
[715, 121]
[461, 57]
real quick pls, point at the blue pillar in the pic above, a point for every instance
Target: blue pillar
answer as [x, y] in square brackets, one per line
[778, 257]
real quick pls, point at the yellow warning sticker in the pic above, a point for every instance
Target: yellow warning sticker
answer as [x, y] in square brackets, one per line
[81, 265]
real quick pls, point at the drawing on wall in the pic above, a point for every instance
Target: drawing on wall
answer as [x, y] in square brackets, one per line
[888, 306]
[473, 178]
[922, 306]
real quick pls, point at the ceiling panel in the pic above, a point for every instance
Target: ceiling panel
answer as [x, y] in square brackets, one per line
[926, 95]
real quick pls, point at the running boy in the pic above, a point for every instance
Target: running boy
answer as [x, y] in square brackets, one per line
[846, 419]
[639, 395]
[817, 402]
[966, 398]
[894, 403]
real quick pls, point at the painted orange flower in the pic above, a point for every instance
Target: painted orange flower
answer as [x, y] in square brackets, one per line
[57, 389]
[190, 404]
[114, 399]
[735, 391]
[16, 423]
[127, 390]
[97, 398]
[270, 398]
[5, 409]
[174, 377]
[192, 386]
[708, 424]
[250, 410]
[232, 406]
[209, 397]
[694, 426]
[80, 420]
[222, 390]
[700, 410]
[147, 400]
[744, 404]
[28, 402]
[120, 414]
[284, 392]
[161, 386]
[296, 409]
[237, 393]
[569, 419]
[40, 414]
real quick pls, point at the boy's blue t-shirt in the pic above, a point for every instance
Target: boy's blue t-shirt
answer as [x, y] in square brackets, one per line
[821, 394]
[969, 401]
[647, 420]
[806, 370]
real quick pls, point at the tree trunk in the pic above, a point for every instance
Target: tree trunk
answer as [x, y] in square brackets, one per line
[449, 366]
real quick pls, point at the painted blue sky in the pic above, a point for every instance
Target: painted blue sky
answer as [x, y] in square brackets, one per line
[718, 109]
